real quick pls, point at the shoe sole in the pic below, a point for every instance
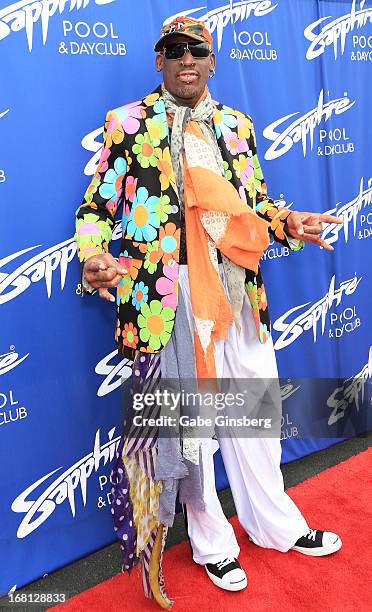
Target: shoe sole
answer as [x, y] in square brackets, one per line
[319, 552]
[234, 586]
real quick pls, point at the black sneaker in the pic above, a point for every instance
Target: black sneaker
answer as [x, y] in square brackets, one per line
[227, 574]
[318, 543]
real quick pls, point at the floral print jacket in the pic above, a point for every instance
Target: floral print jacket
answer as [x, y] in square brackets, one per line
[135, 172]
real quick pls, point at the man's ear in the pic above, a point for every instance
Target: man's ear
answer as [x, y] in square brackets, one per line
[159, 61]
[212, 61]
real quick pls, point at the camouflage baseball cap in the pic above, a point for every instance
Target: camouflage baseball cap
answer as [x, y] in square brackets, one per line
[187, 26]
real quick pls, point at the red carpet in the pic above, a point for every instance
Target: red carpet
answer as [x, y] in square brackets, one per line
[338, 499]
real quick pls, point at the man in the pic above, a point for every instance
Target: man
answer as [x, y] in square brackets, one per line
[195, 224]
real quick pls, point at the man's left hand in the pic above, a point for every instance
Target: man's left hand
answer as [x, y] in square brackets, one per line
[307, 226]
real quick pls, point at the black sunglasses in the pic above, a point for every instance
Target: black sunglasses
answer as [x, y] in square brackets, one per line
[178, 50]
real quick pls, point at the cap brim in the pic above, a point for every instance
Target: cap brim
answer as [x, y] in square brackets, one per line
[160, 44]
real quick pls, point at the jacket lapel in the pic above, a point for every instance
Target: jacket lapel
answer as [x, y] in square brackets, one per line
[157, 113]
[226, 155]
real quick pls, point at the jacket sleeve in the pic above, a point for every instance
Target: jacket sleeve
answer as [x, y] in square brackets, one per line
[94, 219]
[266, 208]
[95, 216]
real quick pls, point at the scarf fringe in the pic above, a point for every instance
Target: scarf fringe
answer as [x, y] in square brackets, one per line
[152, 571]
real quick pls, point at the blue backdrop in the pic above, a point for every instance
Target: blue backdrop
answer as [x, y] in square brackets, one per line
[302, 69]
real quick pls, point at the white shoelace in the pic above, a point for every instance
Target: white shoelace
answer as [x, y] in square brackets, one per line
[311, 535]
[221, 564]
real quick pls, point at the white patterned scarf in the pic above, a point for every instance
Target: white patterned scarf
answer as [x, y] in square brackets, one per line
[203, 114]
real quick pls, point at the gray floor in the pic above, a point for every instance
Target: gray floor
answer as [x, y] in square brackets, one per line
[105, 563]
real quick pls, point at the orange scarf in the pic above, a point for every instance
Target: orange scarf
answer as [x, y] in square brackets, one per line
[215, 217]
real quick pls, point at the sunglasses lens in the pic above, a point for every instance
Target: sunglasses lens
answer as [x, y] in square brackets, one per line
[175, 51]
[200, 50]
[178, 50]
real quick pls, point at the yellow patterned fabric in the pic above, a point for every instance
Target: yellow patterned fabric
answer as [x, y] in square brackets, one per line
[144, 494]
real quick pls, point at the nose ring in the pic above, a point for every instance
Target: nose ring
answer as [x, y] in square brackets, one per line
[182, 64]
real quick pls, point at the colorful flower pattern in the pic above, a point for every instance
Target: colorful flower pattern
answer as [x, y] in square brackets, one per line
[167, 285]
[131, 264]
[245, 126]
[129, 117]
[145, 150]
[164, 164]
[103, 162]
[224, 120]
[114, 131]
[228, 173]
[96, 181]
[135, 168]
[169, 241]
[163, 208]
[111, 186]
[130, 188]
[124, 290]
[143, 220]
[140, 294]
[92, 235]
[130, 335]
[235, 144]
[152, 257]
[157, 130]
[156, 323]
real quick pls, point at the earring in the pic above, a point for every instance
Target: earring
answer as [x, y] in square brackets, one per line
[212, 72]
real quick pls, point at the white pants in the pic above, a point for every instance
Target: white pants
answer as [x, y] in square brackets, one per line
[265, 511]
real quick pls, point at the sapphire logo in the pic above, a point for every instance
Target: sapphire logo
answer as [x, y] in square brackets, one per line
[352, 214]
[293, 323]
[219, 18]
[302, 128]
[23, 15]
[10, 360]
[288, 389]
[114, 372]
[38, 507]
[350, 392]
[324, 33]
[40, 266]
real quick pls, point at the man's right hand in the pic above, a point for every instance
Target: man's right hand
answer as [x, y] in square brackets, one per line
[102, 272]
